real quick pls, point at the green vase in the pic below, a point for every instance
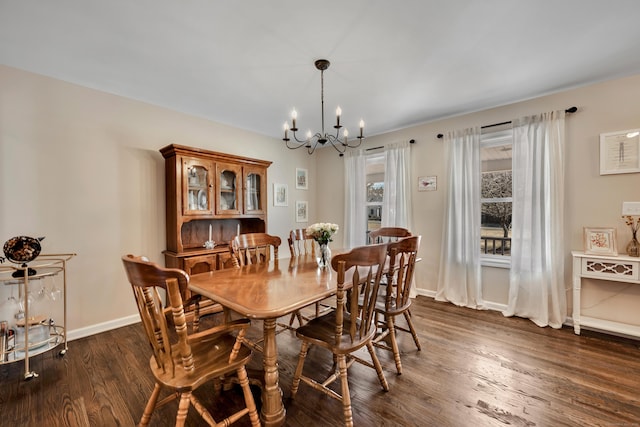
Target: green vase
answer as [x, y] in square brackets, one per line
[633, 248]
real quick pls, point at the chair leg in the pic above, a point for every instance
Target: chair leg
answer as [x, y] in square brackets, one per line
[183, 408]
[291, 319]
[378, 366]
[151, 405]
[248, 397]
[346, 396]
[394, 344]
[196, 317]
[299, 317]
[407, 316]
[296, 376]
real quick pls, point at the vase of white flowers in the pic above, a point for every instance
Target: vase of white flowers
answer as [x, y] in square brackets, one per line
[322, 233]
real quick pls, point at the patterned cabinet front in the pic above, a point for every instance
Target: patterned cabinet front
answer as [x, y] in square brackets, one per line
[611, 269]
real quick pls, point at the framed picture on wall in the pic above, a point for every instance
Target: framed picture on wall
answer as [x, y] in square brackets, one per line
[301, 179]
[301, 211]
[600, 241]
[620, 152]
[280, 195]
[427, 183]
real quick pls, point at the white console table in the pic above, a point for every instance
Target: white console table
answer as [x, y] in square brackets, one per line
[615, 268]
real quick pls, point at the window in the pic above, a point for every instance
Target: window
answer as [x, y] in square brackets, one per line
[496, 196]
[375, 192]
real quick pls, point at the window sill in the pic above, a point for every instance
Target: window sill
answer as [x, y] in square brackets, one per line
[495, 261]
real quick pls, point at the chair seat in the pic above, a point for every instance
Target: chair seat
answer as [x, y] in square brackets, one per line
[392, 309]
[321, 331]
[210, 359]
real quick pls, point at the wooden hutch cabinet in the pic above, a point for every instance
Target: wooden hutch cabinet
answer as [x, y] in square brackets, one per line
[210, 192]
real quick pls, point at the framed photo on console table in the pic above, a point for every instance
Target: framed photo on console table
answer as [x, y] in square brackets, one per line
[600, 241]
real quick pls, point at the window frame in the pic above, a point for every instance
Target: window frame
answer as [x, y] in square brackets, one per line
[495, 138]
[373, 159]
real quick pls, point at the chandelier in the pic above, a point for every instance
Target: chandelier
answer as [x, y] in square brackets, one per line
[311, 141]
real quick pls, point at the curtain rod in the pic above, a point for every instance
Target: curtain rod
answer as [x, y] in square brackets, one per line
[411, 141]
[568, 110]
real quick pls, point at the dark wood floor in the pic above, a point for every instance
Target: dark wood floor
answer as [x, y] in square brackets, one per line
[476, 368]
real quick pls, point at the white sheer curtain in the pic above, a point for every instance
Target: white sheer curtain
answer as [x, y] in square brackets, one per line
[355, 219]
[536, 288]
[396, 203]
[460, 280]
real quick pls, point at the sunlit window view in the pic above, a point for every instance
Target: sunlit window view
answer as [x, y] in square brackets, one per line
[375, 192]
[496, 194]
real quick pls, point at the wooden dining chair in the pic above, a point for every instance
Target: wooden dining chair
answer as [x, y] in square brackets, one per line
[301, 244]
[254, 248]
[190, 301]
[396, 301]
[183, 362]
[388, 234]
[350, 326]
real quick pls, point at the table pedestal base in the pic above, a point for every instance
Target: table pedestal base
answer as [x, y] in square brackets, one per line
[273, 412]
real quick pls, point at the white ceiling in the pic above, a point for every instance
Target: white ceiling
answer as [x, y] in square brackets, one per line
[247, 63]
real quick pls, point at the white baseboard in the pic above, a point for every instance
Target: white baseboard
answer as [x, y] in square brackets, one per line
[488, 304]
[102, 327]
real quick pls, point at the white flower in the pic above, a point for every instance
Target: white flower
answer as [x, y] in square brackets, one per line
[322, 232]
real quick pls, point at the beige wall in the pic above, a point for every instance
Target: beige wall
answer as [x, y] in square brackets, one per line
[82, 168]
[591, 199]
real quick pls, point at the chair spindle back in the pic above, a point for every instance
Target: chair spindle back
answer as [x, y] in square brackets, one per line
[388, 234]
[254, 248]
[355, 307]
[402, 260]
[300, 243]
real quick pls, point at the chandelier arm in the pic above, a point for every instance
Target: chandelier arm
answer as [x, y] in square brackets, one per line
[294, 147]
[336, 143]
[349, 145]
[339, 148]
[301, 141]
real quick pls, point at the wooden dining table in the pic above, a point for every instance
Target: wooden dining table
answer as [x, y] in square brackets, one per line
[266, 292]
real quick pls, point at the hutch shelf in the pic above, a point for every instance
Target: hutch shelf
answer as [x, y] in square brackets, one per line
[210, 196]
[28, 334]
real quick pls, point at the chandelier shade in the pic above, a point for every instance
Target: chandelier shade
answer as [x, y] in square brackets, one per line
[312, 141]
